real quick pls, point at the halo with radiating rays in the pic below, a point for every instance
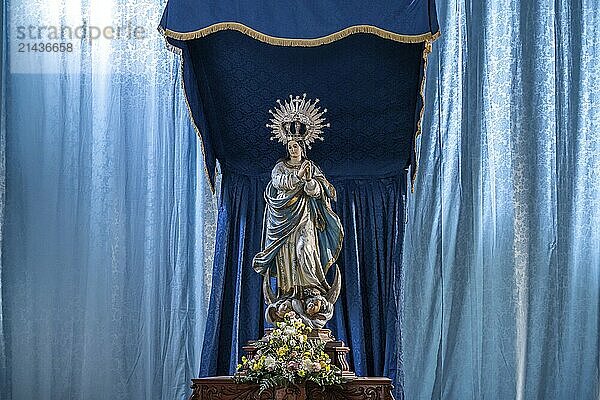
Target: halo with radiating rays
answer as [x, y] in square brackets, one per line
[298, 119]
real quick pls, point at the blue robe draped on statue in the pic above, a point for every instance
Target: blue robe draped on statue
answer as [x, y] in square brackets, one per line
[369, 79]
[288, 208]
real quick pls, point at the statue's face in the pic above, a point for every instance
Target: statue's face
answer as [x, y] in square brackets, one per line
[294, 149]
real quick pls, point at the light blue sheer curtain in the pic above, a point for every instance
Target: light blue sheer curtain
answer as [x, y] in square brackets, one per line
[502, 253]
[104, 250]
[3, 65]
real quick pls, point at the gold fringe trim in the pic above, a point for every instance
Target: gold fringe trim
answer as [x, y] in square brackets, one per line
[172, 48]
[418, 133]
[279, 41]
[179, 53]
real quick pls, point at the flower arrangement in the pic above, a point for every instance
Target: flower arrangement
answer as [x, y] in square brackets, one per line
[286, 357]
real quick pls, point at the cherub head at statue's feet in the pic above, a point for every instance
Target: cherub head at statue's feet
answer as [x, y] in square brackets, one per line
[314, 305]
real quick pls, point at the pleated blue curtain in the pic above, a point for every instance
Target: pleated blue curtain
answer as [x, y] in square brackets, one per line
[108, 221]
[502, 253]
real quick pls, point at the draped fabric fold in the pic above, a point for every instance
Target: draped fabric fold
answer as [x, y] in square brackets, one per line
[302, 23]
[502, 289]
[108, 216]
[367, 316]
[4, 371]
[236, 303]
[184, 22]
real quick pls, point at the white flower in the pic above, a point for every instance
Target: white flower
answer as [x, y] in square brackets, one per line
[306, 364]
[289, 331]
[269, 363]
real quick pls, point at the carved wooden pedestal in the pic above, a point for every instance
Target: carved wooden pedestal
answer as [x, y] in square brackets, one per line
[224, 388]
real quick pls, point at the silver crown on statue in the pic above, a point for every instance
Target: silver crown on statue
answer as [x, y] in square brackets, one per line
[298, 119]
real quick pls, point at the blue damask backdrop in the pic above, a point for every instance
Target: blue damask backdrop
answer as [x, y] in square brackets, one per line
[108, 219]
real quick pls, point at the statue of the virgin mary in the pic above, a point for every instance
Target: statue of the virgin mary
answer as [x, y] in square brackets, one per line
[302, 236]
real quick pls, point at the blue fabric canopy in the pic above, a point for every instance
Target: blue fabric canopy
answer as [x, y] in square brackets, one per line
[370, 80]
[187, 19]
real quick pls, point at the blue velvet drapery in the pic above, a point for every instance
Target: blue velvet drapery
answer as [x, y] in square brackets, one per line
[365, 156]
[187, 19]
[185, 22]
